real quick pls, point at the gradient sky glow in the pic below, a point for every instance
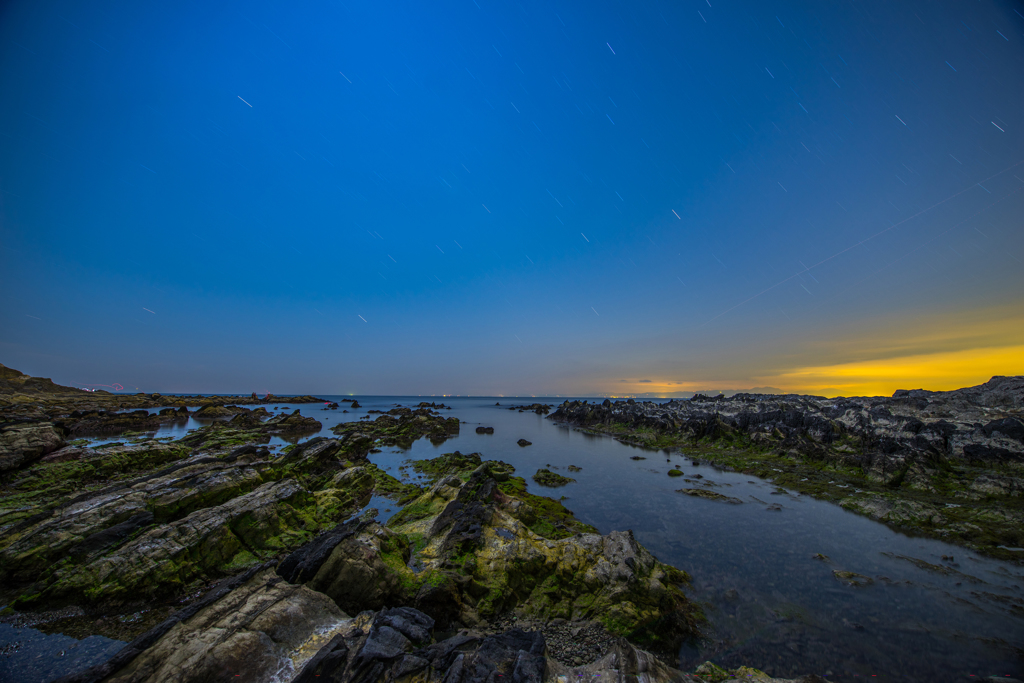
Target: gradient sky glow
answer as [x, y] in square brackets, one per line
[480, 197]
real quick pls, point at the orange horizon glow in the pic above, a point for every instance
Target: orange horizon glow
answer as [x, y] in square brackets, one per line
[940, 371]
[942, 351]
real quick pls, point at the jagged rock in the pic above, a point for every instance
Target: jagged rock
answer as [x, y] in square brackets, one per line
[21, 444]
[485, 430]
[356, 573]
[524, 443]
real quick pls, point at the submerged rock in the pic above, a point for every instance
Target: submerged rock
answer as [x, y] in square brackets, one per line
[852, 578]
[710, 495]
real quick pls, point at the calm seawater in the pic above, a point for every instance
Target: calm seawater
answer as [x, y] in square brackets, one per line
[770, 604]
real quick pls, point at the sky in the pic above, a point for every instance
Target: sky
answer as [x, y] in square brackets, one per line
[480, 197]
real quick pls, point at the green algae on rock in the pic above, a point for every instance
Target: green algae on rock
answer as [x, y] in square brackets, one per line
[480, 546]
[400, 427]
[546, 477]
[134, 535]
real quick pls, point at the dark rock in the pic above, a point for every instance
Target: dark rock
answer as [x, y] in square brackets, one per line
[303, 564]
[485, 430]
[524, 442]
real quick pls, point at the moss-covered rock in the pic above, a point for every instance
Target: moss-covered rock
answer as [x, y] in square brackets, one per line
[470, 539]
[546, 477]
[710, 495]
[400, 427]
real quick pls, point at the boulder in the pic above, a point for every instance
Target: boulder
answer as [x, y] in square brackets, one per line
[21, 444]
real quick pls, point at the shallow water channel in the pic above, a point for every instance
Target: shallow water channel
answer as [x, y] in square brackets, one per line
[770, 603]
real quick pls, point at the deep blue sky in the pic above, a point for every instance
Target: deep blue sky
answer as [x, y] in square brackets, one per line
[498, 198]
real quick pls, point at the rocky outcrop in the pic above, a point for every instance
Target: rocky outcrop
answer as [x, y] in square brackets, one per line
[295, 423]
[106, 422]
[400, 427]
[21, 444]
[217, 411]
[483, 547]
[546, 477]
[250, 419]
[944, 464]
[982, 424]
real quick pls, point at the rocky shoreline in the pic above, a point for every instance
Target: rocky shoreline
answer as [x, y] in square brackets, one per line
[217, 556]
[31, 397]
[948, 465]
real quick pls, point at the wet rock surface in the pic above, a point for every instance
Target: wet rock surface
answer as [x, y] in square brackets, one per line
[945, 464]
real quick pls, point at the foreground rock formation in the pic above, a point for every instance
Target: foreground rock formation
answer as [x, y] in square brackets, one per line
[260, 628]
[945, 464]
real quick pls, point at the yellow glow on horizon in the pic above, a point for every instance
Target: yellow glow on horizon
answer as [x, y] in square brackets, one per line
[941, 371]
[938, 351]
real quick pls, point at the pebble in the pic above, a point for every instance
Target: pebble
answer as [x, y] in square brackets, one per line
[571, 643]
